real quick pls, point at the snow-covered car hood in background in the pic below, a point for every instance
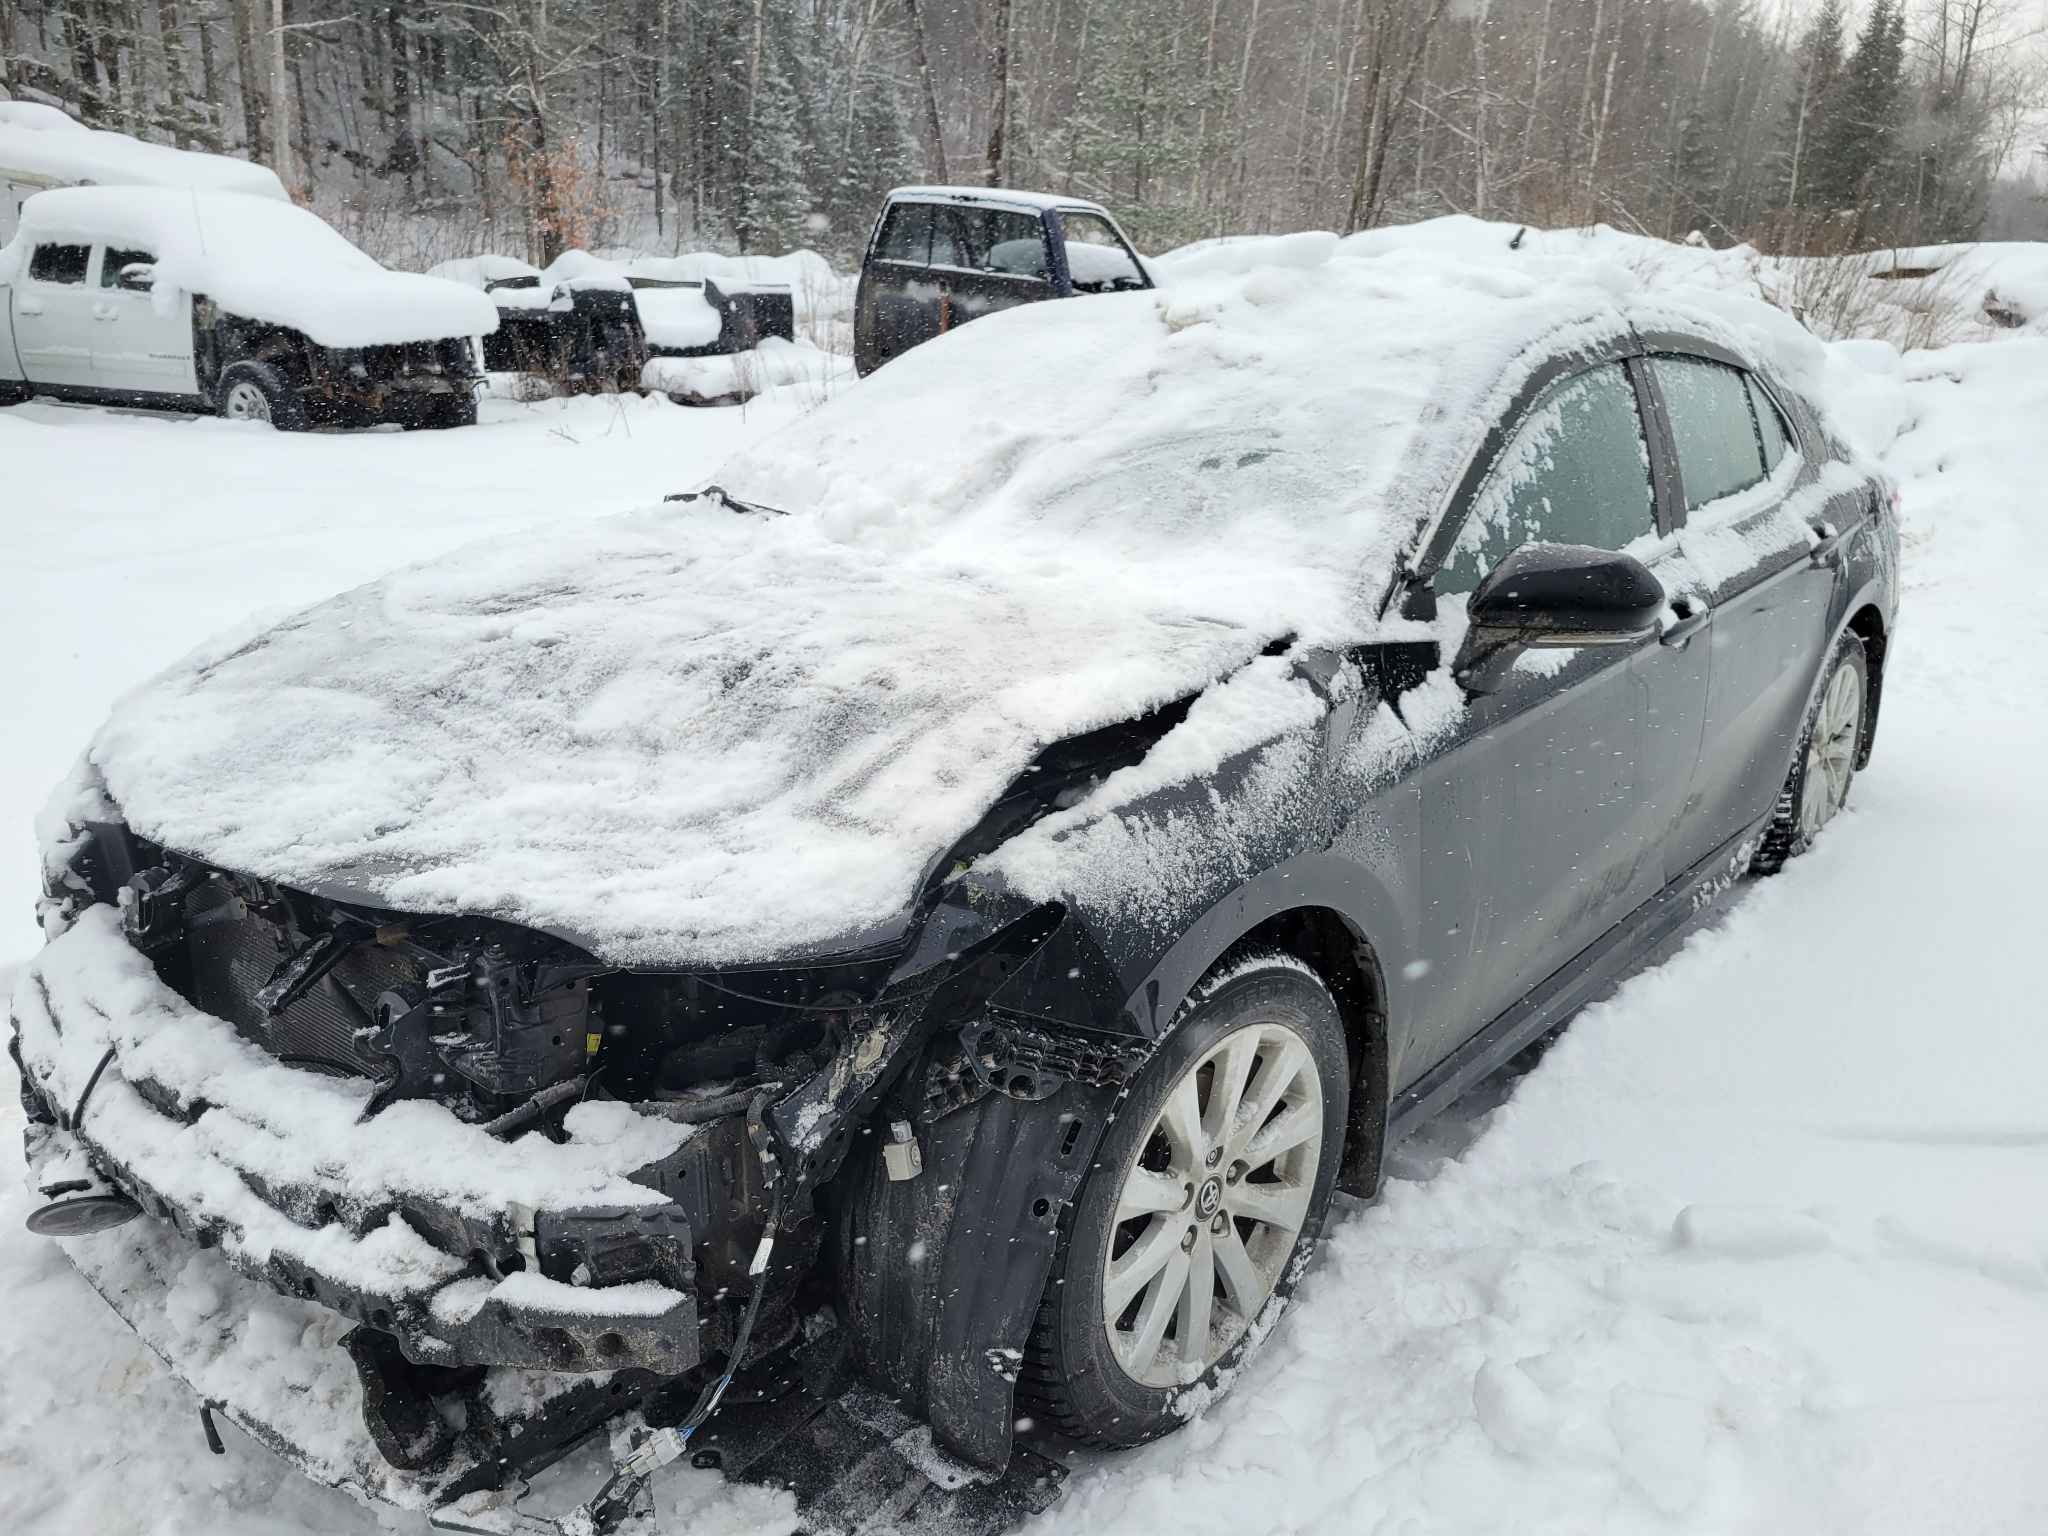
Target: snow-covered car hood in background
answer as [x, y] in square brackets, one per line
[260, 259]
[690, 735]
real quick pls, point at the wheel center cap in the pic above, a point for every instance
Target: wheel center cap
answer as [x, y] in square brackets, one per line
[1208, 1198]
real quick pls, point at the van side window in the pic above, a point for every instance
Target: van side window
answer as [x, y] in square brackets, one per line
[59, 263]
[907, 236]
[1576, 471]
[1719, 450]
[115, 262]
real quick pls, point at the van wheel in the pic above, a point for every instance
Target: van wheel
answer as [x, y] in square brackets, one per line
[1818, 786]
[1208, 1193]
[258, 392]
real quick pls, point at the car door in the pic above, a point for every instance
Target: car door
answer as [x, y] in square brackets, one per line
[1545, 808]
[898, 304]
[1750, 561]
[989, 259]
[53, 316]
[138, 346]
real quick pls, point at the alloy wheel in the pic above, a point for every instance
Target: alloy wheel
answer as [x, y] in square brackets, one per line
[245, 402]
[1831, 751]
[1210, 1209]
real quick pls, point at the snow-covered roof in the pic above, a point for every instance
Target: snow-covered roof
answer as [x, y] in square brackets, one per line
[479, 272]
[260, 259]
[693, 735]
[1003, 197]
[42, 144]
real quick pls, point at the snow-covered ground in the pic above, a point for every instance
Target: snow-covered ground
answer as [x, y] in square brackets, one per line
[1760, 1245]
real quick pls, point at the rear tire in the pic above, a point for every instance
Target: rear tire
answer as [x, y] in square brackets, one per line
[1208, 1193]
[1824, 767]
[258, 392]
[438, 413]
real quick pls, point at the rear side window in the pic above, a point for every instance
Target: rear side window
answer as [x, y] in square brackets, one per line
[907, 236]
[1576, 471]
[1719, 450]
[59, 263]
[1769, 424]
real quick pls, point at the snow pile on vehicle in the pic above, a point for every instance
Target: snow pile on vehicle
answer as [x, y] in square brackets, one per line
[771, 363]
[259, 259]
[245, 1118]
[696, 735]
[44, 144]
[520, 281]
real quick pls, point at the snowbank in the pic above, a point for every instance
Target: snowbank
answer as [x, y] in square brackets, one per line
[697, 735]
[259, 259]
[42, 144]
[772, 364]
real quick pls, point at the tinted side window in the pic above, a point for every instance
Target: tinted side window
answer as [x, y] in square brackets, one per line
[114, 261]
[59, 263]
[1577, 471]
[1718, 449]
[988, 240]
[1769, 423]
[1015, 244]
[907, 236]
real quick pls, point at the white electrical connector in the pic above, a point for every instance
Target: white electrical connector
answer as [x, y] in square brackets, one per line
[901, 1156]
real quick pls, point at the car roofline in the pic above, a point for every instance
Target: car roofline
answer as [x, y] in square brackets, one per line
[995, 197]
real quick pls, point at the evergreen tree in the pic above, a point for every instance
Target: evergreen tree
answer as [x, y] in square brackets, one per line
[1856, 152]
[774, 198]
[881, 152]
[1816, 65]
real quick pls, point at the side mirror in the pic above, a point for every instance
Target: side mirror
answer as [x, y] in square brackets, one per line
[139, 276]
[1550, 596]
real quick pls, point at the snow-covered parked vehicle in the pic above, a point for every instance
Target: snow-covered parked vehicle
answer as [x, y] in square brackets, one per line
[588, 323]
[572, 328]
[962, 891]
[246, 306]
[941, 256]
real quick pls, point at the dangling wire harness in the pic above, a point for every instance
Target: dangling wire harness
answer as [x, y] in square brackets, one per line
[608, 1509]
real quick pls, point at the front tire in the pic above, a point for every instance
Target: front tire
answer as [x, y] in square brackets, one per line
[1209, 1190]
[1825, 765]
[258, 392]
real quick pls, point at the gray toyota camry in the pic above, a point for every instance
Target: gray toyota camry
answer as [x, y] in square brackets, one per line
[919, 928]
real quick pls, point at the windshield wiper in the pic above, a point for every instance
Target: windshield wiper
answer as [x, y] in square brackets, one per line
[727, 500]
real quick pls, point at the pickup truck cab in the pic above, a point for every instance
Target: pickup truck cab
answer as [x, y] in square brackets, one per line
[222, 302]
[941, 256]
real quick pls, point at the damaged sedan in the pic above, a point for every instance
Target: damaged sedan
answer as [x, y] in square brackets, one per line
[917, 932]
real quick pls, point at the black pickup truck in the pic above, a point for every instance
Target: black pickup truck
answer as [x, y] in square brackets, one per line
[941, 256]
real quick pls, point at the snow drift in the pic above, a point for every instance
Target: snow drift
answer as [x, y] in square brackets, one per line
[42, 144]
[695, 735]
[259, 259]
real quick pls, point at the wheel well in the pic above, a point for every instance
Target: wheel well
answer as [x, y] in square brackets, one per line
[1868, 626]
[1326, 942]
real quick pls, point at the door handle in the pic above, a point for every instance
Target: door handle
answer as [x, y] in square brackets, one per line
[1692, 618]
[1827, 541]
[105, 312]
[27, 307]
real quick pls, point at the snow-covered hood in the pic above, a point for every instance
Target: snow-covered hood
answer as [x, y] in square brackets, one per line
[260, 259]
[689, 734]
